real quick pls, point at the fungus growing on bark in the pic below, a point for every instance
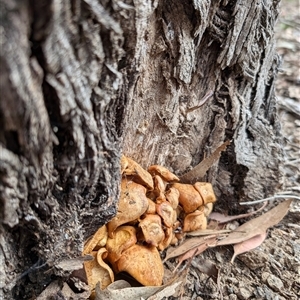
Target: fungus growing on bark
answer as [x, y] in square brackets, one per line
[139, 174]
[206, 191]
[143, 263]
[152, 229]
[189, 197]
[132, 204]
[195, 220]
[163, 172]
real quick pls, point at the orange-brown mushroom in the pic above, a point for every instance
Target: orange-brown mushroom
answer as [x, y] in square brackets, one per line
[152, 229]
[98, 240]
[167, 240]
[189, 197]
[96, 272]
[163, 172]
[208, 209]
[195, 220]
[151, 207]
[124, 238]
[206, 191]
[143, 263]
[139, 174]
[159, 185]
[165, 210]
[133, 203]
[172, 195]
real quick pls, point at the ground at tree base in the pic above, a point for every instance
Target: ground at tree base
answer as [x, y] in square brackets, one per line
[272, 271]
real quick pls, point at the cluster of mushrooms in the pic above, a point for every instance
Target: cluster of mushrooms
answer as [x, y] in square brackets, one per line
[154, 211]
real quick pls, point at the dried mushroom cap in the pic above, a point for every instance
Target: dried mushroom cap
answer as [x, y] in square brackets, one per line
[159, 185]
[151, 207]
[96, 272]
[163, 172]
[143, 263]
[206, 191]
[208, 209]
[152, 229]
[189, 197]
[140, 175]
[124, 238]
[133, 203]
[167, 240]
[172, 195]
[165, 210]
[97, 240]
[195, 220]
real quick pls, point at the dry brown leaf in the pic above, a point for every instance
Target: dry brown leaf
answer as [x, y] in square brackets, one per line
[186, 246]
[65, 292]
[258, 225]
[121, 289]
[198, 172]
[224, 219]
[207, 232]
[248, 245]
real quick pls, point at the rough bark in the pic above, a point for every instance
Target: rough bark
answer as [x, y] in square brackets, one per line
[83, 80]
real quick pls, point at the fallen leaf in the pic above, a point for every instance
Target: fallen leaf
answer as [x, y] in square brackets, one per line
[121, 289]
[55, 290]
[204, 232]
[224, 219]
[248, 245]
[98, 273]
[168, 291]
[186, 246]
[258, 225]
[198, 172]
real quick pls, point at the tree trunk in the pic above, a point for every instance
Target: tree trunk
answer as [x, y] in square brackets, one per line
[82, 81]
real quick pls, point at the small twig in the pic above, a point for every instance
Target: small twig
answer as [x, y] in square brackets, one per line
[270, 198]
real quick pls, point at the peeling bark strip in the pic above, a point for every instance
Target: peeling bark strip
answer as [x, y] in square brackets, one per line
[80, 80]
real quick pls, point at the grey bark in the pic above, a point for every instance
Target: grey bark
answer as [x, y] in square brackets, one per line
[82, 81]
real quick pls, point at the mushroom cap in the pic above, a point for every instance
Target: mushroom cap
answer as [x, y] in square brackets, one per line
[159, 185]
[189, 198]
[97, 240]
[151, 207]
[195, 220]
[143, 263]
[96, 272]
[208, 209]
[133, 203]
[167, 213]
[163, 172]
[152, 229]
[172, 195]
[124, 238]
[206, 191]
[139, 174]
[168, 238]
